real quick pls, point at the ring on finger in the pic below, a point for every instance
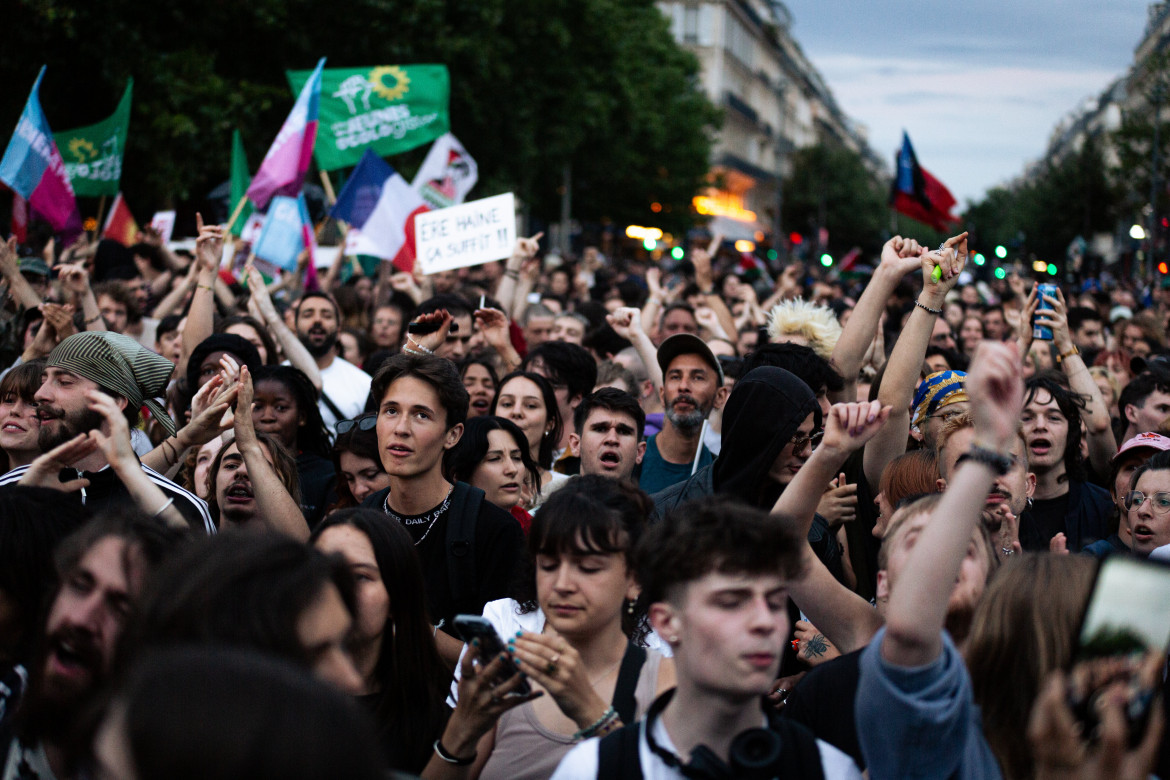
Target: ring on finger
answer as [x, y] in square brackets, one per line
[551, 669]
[556, 657]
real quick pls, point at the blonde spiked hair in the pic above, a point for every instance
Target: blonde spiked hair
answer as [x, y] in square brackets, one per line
[816, 324]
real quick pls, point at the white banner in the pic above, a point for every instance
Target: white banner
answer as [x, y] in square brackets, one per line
[164, 223]
[468, 234]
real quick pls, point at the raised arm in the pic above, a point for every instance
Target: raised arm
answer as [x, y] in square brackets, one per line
[524, 250]
[292, 347]
[845, 618]
[22, 291]
[201, 315]
[627, 323]
[1102, 444]
[918, 599]
[493, 325]
[900, 256]
[115, 445]
[905, 363]
[277, 510]
[705, 279]
[75, 280]
[211, 416]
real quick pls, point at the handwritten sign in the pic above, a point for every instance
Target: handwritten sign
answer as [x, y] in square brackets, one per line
[164, 223]
[468, 234]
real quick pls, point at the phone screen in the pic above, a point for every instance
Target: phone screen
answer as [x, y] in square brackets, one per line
[1129, 611]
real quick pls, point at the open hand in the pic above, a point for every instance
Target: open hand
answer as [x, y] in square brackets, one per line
[45, 471]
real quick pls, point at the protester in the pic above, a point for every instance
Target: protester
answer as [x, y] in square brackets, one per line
[608, 434]
[493, 455]
[528, 400]
[344, 386]
[357, 462]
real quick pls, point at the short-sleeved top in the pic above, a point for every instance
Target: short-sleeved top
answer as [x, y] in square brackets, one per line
[348, 387]
[921, 722]
[659, 474]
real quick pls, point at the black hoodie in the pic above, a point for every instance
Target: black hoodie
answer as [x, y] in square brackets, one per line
[762, 415]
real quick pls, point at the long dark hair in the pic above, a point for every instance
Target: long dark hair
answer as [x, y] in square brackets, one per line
[589, 515]
[254, 324]
[548, 441]
[364, 444]
[412, 677]
[461, 461]
[312, 436]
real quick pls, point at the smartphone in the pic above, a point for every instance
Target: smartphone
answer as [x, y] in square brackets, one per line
[490, 645]
[423, 328]
[1039, 332]
[1123, 638]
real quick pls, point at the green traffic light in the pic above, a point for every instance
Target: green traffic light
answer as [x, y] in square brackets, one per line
[1000, 273]
[649, 244]
[1001, 253]
[980, 259]
[1051, 269]
[826, 260]
[773, 254]
[677, 253]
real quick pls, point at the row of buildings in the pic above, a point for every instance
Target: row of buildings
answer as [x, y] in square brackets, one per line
[773, 99]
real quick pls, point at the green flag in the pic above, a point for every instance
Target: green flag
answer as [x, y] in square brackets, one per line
[240, 181]
[389, 108]
[93, 155]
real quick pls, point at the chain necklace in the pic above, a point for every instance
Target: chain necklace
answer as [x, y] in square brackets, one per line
[434, 515]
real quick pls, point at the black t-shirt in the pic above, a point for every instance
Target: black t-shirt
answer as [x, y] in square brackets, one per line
[824, 702]
[1043, 520]
[316, 477]
[497, 555]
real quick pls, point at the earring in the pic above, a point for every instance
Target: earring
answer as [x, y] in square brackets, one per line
[630, 607]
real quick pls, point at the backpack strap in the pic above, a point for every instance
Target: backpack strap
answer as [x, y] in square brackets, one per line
[461, 521]
[617, 754]
[627, 682]
[332, 407]
[801, 754]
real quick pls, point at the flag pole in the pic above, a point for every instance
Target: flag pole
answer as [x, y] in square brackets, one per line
[101, 210]
[235, 214]
[328, 185]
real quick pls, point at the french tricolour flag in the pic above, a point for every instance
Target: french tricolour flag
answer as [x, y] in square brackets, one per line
[33, 167]
[379, 206]
[284, 167]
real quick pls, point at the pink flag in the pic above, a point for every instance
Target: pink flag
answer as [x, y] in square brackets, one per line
[284, 167]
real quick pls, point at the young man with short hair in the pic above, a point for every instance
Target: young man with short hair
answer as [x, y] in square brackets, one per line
[572, 372]
[469, 548]
[344, 386]
[1144, 403]
[715, 575]
[607, 434]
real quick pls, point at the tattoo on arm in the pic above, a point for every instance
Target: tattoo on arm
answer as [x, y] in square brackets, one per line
[817, 646]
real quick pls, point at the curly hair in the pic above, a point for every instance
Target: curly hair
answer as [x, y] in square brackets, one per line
[798, 317]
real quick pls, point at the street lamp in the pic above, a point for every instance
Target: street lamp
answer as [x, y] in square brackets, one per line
[1137, 233]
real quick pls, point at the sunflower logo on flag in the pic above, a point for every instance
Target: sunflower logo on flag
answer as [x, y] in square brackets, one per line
[81, 149]
[400, 86]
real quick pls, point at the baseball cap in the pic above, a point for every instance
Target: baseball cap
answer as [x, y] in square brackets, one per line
[687, 344]
[34, 266]
[1146, 440]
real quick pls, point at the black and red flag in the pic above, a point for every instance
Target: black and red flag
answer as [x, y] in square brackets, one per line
[919, 195]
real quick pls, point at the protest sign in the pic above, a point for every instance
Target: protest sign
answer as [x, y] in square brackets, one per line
[164, 223]
[468, 234]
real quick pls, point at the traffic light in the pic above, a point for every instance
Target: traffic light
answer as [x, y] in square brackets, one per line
[1051, 269]
[1001, 253]
[1163, 268]
[677, 253]
[826, 259]
[1000, 273]
[980, 259]
[795, 239]
[649, 244]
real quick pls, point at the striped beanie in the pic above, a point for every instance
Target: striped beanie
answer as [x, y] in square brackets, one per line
[936, 391]
[119, 364]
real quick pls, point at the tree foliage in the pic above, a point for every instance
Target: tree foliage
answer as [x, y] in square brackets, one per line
[596, 84]
[830, 187]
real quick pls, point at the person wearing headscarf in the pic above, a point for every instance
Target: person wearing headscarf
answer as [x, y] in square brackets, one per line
[942, 390]
[133, 376]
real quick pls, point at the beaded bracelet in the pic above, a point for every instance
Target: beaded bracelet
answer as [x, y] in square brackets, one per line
[924, 307]
[608, 717]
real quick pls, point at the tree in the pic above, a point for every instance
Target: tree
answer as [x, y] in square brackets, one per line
[595, 84]
[830, 187]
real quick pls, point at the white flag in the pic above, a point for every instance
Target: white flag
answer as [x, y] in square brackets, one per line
[447, 174]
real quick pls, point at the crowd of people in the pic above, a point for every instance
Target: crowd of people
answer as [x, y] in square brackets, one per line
[572, 517]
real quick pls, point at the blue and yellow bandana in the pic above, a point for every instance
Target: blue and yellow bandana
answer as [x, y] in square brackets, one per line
[939, 389]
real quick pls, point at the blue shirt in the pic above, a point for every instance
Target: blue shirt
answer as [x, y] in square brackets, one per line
[659, 474]
[921, 722]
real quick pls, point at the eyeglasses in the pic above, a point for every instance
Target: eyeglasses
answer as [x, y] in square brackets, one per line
[945, 416]
[364, 423]
[800, 442]
[1160, 505]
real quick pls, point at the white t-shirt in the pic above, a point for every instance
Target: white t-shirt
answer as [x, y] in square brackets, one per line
[348, 387]
[581, 762]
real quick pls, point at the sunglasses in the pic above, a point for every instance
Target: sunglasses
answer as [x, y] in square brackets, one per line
[800, 442]
[364, 423]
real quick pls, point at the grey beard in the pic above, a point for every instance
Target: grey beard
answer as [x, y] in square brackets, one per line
[688, 423]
